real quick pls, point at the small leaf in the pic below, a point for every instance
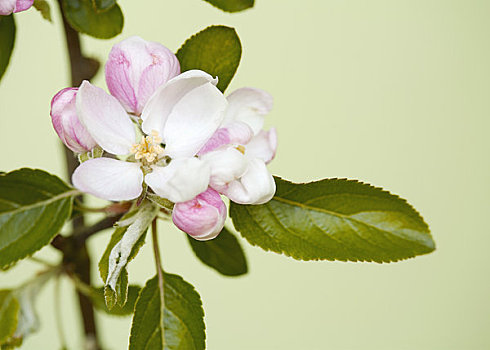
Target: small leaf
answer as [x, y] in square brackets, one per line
[334, 219]
[183, 317]
[9, 310]
[97, 297]
[7, 39]
[223, 253]
[34, 205]
[83, 17]
[28, 319]
[161, 202]
[232, 5]
[43, 7]
[215, 50]
[122, 248]
[103, 5]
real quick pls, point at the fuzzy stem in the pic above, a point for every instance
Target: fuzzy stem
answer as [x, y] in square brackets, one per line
[158, 263]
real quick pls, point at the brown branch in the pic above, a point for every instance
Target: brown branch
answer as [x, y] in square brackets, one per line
[75, 253]
[108, 222]
[82, 234]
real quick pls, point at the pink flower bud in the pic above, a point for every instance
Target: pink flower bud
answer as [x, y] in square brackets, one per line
[136, 68]
[10, 6]
[66, 122]
[203, 217]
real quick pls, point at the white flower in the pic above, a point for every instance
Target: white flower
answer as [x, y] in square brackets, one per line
[239, 150]
[183, 114]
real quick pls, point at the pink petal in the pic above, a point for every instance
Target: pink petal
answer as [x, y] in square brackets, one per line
[136, 68]
[203, 217]
[7, 7]
[66, 123]
[22, 5]
[249, 105]
[105, 119]
[181, 180]
[235, 133]
[109, 179]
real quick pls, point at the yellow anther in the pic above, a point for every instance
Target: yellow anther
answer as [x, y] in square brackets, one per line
[149, 147]
[241, 149]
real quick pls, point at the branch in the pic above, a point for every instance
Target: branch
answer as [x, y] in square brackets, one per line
[75, 252]
[82, 235]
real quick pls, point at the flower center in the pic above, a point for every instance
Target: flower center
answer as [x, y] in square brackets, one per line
[149, 147]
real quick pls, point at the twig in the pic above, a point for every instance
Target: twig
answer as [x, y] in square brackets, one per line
[82, 235]
[81, 68]
[57, 313]
[158, 263]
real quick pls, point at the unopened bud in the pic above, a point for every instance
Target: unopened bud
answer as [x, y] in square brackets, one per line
[66, 122]
[203, 217]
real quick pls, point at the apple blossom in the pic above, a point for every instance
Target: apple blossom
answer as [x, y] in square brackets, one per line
[66, 123]
[195, 144]
[239, 151]
[136, 68]
[12, 6]
[203, 217]
[183, 114]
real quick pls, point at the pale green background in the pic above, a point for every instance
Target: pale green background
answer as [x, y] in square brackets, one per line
[394, 93]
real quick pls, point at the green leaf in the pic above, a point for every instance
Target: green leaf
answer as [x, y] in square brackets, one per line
[131, 234]
[183, 317]
[232, 5]
[224, 253]
[26, 295]
[161, 202]
[34, 205]
[215, 50]
[84, 18]
[103, 5]
[43, 7]
[9, 310]
[334, 219]
[98, 298]
[7, 39]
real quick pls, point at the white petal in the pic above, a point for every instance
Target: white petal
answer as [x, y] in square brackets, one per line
[193, 120]
[181, 180]
[226, 165]
[249, 105]
[105, 119]
[263, 146]
[109, 179]
[256, 186]
[160, 105]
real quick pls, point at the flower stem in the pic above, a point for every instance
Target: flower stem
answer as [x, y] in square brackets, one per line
[158, 263]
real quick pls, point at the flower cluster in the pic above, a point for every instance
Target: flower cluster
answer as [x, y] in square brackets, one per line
[171, 133]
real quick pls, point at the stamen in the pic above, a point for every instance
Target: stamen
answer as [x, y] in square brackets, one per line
[241, 149]
[149, 147]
